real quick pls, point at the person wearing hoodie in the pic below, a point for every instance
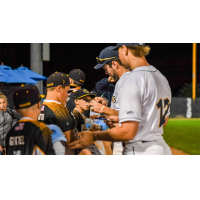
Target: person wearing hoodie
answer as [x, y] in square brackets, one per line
[8, 118]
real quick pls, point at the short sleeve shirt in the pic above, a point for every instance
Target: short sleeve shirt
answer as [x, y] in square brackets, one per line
[29, 137]
[114, 101]
[53, 112]
[145, 97]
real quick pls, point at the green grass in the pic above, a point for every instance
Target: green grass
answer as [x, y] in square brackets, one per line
[183, 134]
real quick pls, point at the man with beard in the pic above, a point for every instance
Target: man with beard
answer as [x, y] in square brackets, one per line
[144, 101]
[116, 71]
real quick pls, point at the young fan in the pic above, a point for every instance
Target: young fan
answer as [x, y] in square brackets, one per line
[82, 99]
[28, 136]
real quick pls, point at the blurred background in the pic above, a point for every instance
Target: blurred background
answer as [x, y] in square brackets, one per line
[174, 60]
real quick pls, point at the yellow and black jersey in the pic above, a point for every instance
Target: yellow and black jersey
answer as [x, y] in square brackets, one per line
[29, 137]
[55, 113]
[80, 118]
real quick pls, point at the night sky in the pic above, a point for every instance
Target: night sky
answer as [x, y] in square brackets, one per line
[173, 60]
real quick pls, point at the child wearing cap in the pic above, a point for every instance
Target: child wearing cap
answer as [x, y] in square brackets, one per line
[82, 100]
[28, 136]
[53, 110]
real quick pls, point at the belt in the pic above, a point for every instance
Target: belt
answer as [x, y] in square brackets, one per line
[148, 141]
[140, 141]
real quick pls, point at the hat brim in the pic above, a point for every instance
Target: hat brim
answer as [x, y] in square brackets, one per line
[99, 66]
[92, 95]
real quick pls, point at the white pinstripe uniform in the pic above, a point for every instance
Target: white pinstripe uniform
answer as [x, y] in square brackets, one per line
[145, 97]
[117, 146]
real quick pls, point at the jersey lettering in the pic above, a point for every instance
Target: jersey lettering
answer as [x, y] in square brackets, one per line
[18, 152]
[16, 140]
[41, 117]
[160, 107]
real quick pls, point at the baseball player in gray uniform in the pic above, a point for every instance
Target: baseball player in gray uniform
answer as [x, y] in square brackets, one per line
[144, 101]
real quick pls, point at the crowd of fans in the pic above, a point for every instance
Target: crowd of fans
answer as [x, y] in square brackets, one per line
[65, 111]
[129, 109]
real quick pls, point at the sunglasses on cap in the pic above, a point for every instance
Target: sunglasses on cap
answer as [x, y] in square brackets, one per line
[100, 61]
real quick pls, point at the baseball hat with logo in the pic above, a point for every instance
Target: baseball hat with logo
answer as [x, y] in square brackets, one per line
[108, 54]
[127, 44]
[77, 75]
[56, 79]
[26, 96]
[82, 93]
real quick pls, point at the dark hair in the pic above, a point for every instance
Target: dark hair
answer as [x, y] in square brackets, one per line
[117, 60]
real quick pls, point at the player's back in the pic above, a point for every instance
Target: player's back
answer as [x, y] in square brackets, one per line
[150, 100]
[53, 112]
[29, 137]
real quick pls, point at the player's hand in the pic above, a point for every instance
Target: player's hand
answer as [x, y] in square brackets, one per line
[112, 118]
[95, 106]
[95, 127]
[87, 139]
[111, 79]
[101, 100]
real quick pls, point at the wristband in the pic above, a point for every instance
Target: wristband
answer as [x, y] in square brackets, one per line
[102, 108]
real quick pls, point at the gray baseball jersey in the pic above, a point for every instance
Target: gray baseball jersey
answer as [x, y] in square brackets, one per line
[145, 97]
[114, 102]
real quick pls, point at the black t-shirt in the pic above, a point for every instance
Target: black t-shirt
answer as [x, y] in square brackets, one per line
[28, 137]
[80, 120]
[70, 102]
[55, 113]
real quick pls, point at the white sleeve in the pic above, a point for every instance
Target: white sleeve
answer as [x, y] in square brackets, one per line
[129, 102]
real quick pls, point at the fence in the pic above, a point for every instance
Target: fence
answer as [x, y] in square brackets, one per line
[180, 107]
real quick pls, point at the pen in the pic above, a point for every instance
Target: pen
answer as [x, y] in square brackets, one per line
[102, 94]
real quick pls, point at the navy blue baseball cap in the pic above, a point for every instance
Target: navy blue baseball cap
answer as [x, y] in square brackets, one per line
[106, 55]
[127, 44]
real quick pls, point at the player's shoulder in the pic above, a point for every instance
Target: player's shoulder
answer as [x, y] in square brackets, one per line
[53, 106]
[42, 126]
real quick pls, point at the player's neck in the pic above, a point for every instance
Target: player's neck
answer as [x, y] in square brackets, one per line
[122, 71]
[135, 62]
[52, 96]
[32, 115]
[80, 109]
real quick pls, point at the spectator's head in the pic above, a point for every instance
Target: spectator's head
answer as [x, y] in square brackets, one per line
[58, 85]
[77, 77]
[109, 61]
[27, 97]
[82, 99]
[3, 102]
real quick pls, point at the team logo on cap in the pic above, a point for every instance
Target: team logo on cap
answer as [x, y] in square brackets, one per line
[85, 91]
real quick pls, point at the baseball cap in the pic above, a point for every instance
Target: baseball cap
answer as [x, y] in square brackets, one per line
[77, 75]
[56, 79]
[26, 96]
[82, 93]
[127, 44]
[108, 54]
